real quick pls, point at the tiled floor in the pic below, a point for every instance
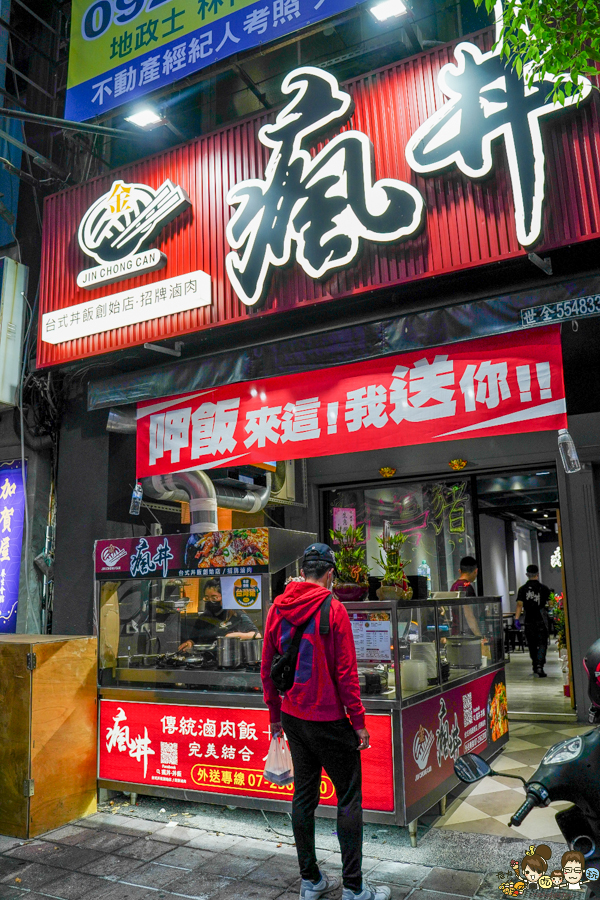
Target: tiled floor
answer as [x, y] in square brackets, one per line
[537, 696]
[486, 807]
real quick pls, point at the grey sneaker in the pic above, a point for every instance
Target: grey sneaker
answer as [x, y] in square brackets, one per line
[327, 884]
[368, 892]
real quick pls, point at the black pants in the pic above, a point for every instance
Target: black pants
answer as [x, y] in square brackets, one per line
[537, 642]
[331, 746]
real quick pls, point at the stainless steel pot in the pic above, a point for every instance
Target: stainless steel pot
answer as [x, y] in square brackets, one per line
[229, 652]
[252, 651]
[464, 652]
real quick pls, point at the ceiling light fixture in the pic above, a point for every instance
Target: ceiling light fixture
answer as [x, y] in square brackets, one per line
[145, 118]
[545, 515]
[388, 9]
[534, 510]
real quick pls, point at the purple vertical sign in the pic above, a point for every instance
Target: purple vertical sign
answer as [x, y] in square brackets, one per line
[12, 511]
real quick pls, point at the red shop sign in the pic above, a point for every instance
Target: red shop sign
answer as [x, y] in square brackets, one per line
[506, 384]
[219, 751]
[466, 719]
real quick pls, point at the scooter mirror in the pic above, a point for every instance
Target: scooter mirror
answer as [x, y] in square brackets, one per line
[471, 768]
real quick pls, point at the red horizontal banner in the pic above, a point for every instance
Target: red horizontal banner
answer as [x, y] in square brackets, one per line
[219, 751]
[506, 384]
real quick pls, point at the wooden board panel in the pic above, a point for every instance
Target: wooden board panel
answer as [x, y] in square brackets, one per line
[63, 733]
[15, 690]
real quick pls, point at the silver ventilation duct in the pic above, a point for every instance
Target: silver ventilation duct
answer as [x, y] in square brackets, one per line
[204, 496]
[122, 420]
[196, 488]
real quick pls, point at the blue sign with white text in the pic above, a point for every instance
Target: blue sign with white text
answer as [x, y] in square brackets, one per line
[12, 512]
[96, 40]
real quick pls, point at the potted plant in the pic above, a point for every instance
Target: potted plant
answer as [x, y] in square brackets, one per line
[352, 583]
[394, 585]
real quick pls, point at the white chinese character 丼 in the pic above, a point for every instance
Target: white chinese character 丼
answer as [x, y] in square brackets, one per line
[139, 749]
[227, 729]
[101, 88]
[300, 421]
[486, 384]
[285, 9]
[187, 726]
[227, 752]
[213, 427]
[245, 753]
[261, 425]
[169, 724]
[257, 21]
[366, 406]
[247, 731]
[125, 80]
[211, 751]
[7, 490]
[428, 383]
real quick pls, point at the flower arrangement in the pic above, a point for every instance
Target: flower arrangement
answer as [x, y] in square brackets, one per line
[557, 608]
[392, 563]
[350, 558]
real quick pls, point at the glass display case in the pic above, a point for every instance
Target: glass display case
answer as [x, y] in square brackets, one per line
[437, 643]
[187, 612]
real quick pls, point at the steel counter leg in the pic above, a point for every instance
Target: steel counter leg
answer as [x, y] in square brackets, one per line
[443, 806]
[133, 799]
[412, 830]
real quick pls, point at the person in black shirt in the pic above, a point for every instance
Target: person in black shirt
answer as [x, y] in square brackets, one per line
[215, 622]
[533, 599]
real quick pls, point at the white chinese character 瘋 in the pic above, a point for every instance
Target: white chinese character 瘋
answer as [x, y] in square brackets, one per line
[428, 383]
[257, 21]
[213, 427]
[118, 735]
[486, 384]
[300, 421]
[247, 731]
[169, 724]
[261, 424]
[365, 407]
[7, 490]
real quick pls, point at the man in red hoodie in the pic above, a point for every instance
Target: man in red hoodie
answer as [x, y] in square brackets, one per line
[324, 721]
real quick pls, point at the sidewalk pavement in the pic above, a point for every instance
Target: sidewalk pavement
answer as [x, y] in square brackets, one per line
[143, 853]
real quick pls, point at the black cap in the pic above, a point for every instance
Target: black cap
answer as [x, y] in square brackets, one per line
[321, 552]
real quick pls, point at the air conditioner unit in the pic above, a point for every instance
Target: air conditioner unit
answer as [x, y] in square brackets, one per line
[13, 277]
[287, 492]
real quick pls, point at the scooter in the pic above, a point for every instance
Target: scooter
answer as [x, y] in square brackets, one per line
[570, 771]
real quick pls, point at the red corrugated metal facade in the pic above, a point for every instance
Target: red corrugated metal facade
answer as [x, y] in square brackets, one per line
[468, 223]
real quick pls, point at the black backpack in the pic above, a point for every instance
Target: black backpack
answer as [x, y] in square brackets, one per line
[283, 667]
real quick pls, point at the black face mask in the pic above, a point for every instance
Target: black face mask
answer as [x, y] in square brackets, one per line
[212, 607]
